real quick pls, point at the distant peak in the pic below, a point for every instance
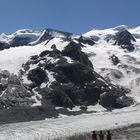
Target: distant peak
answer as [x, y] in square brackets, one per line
[121, 27]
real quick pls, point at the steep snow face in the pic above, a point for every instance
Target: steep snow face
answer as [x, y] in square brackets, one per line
[127, 72]
[13, 58]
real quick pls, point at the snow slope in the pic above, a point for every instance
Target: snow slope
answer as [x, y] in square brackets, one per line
[13, 58]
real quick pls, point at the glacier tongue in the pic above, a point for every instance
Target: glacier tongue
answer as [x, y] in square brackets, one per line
[60, 128]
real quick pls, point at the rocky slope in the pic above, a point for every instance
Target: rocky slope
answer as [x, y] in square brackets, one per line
[67, 78]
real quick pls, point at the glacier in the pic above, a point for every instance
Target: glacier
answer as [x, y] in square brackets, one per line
[51, 129]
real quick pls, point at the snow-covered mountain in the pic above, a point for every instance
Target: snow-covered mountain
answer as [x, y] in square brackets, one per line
[52, 74]
[127, 71]
[30, 37]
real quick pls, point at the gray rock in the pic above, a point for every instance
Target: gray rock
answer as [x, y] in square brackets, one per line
[124, 38]
[37, 75]
[13, 79]
[5, 74]
[77, 73]
[15, 95]
[115, 99]
[73, 50]
[115, 59]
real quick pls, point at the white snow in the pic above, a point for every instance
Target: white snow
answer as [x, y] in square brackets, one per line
[13, 58]
[69, 60]
[62, 116]
[76, 108]
[97, 108]
[43, 85]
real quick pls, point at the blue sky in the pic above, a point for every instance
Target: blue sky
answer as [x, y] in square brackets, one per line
[77, 16]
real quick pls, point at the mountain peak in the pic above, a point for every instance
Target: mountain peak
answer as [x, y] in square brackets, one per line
[121, 27]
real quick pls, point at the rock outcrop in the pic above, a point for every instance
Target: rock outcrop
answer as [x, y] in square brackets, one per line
[85, 40]
[115, 59]
[124, 38]
[12, 92]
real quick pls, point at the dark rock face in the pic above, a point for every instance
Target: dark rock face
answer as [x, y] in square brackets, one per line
[3, 45]
[128, 47]
[115, 100]
[60, 98]
[76, 73]
[108, 99]
[92, 93]
[45, 36]
[73, 50]
[55, 53]
[73, 77]
[72, 95]
[123, 102]
[37, 76]
[20, 41]
[85, 40]
[34, 57]
[124, 38]
[50, 34]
